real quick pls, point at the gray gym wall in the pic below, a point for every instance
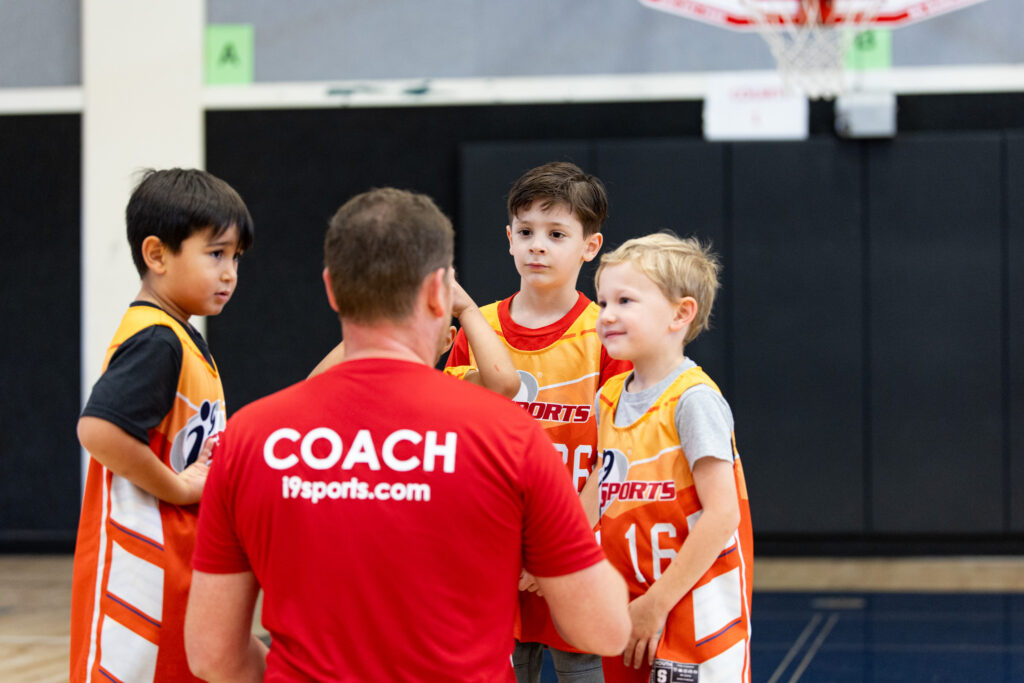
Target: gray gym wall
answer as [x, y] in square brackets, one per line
[311, 40]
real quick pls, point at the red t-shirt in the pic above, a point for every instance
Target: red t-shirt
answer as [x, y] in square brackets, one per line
[386, 510]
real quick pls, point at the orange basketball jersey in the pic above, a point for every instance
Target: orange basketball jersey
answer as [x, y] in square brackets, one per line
[559, 383]
[133, 555]
[648, 505]
[459, 371]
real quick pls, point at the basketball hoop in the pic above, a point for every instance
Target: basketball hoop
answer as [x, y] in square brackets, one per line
[810, 38]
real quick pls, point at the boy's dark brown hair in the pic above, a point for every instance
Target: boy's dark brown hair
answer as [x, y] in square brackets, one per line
[379, 247]
[561, 182]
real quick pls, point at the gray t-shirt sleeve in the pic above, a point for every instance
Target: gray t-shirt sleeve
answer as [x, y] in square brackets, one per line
[704, 422]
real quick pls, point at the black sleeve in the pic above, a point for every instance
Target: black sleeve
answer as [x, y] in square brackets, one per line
[140, 383]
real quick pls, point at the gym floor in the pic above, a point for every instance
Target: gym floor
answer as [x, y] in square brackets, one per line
[815, 620]
[864, 637]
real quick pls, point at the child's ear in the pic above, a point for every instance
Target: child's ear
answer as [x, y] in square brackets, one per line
[154, 254]
[451, 338]
[592, 245]
[508, 234]
[686, 312]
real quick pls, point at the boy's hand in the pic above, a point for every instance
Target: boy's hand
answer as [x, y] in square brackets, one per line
[461, 301]
[528, 582]
[193, 477]
[648, 621]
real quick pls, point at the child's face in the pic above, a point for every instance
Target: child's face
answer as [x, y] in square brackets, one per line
[548, 246]
[637, 320]
[201, 277]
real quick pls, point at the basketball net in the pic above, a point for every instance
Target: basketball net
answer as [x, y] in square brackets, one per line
[810, 45]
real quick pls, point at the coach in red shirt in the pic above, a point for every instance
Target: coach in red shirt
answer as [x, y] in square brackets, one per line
[386, 509]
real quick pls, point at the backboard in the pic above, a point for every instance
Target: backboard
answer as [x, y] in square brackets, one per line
[749, 15]
[809, 38]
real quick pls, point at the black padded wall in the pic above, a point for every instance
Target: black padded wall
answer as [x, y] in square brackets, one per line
[869, 328]
[39, 338]
[673, 184]
[798, 332]
[842, 260]
[936, 363]
[1013, 341]
[295, 168]
[904, 301]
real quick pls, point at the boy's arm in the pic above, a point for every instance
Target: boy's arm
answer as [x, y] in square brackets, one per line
[126, 456]
[589, 496]
[218, 628]
[716, 489]
[333, 357]
[494, 365]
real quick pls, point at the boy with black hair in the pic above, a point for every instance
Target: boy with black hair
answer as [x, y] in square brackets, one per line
[147, 426]
[555, 216]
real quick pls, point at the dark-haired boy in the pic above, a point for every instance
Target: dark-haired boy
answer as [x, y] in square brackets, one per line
[555, 216]
[147, 425]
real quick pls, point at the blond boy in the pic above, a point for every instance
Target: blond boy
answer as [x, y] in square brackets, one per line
[675, 519]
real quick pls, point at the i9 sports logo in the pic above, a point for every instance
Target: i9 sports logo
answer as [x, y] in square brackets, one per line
[529, 388]
[615, 485]
[207, 420]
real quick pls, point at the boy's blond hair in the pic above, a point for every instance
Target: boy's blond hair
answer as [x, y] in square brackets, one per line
[679, 266]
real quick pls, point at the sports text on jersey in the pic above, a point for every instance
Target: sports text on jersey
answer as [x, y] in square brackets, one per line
[637, 490]
[556, 412]
[298, 488]
[322, 448]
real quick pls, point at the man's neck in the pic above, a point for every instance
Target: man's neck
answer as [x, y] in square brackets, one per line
[387, 340]
[534, 308]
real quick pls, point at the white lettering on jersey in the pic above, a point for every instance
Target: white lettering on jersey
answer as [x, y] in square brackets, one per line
[279, 450]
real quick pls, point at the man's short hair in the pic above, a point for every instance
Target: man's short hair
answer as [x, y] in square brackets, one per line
[174, 203]
[680, 267]
[561, 182]
[380, 246]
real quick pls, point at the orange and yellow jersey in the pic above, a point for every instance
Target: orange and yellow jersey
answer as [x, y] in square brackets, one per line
[561, 367]
[649, 504]
[459, 371]
[132, 566]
